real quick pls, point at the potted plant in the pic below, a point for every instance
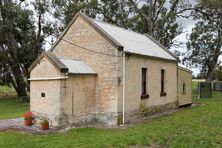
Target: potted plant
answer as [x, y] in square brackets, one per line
[44, 124]
[28, 118]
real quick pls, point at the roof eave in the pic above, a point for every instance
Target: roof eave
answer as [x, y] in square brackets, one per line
[60, 66]
[173, 60]
[185, 69]
[161, 46]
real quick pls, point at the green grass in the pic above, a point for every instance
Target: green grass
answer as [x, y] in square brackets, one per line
[195, 89]
[12, 108]
[7, 92]
[193, 127]
[6, 89]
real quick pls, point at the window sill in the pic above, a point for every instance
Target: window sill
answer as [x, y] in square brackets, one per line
[183, 93]
[162, 94]
[144, 96]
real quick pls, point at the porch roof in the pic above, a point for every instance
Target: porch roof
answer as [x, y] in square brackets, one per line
[77, 66]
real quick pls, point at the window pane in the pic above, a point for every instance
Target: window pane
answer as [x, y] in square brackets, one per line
[144, 80]
[184, 87]
[162, 80]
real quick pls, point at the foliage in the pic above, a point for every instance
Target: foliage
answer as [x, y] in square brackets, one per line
[44, 121]
[21, 40]
[217, 74]
[205, 41]
[15, 28]
[64, 10]
[159, 20]
[151, 17]
[117, 12]
[28, 116]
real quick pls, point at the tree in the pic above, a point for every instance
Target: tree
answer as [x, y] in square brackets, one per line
[65, 10]
[205, 41]
[117, 12]
[20, 42]
[158, 18]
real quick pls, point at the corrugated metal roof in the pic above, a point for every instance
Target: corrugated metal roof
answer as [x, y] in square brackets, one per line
[77, 66]
[134, 42]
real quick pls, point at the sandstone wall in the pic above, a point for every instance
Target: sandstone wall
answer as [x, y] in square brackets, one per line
[48, 106]
[184, 76]
[134, 65]
[83, 34]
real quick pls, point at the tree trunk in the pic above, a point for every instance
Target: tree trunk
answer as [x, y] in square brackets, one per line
[16, 69]
[21, 86]
[209, 77]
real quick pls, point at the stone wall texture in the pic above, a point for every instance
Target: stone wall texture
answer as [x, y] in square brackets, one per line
[88, 98]
[48, 106]
[184, 76]
[134, 65]
[106, 82]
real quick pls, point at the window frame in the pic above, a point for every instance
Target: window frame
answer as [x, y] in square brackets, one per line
[162, 82]
[184, 87]
[144, 89]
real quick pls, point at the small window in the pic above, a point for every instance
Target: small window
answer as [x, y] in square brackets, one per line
[144, 94]
[184, 87]
[144, 81]
[162, 83]
[162, 80]
[43, 95]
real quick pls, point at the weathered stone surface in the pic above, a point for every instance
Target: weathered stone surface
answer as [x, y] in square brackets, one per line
[81, 99]
[134, 65]
[184, 76]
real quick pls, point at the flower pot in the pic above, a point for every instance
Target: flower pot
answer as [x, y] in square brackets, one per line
[44, 126]
[28, 122]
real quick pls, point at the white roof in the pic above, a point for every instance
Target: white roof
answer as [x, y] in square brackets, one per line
[134, 42]
[77, 66]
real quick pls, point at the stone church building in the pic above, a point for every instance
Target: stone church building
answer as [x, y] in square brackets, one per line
[98, 72]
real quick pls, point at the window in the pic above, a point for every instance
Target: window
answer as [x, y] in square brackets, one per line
[162, 89]
[43, 95]
[144, 81]
[144, 94]
[184, 88]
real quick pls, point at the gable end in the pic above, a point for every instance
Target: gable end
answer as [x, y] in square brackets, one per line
[92, 24]
[53, 59]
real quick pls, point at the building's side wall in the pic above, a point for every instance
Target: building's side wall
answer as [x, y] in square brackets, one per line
[78, 102]
[83, 34]
[48, 106]
[184, 76]
[134, 64]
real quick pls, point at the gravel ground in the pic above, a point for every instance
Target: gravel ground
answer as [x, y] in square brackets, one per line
[17, 124]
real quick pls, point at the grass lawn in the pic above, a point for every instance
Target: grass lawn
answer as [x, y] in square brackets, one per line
[193, 127]
[7, 92]
[12, 108]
